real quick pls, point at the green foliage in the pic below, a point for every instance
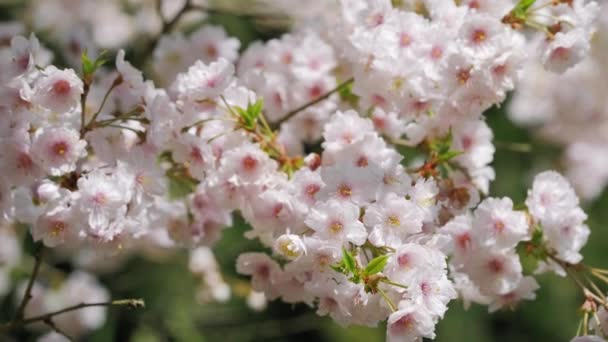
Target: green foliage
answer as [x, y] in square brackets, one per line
[250, 116]
[442, 148]
[532, 252]
[347, 95]
[90, 66]
[376, 265]
[349, 261]
[520, 11]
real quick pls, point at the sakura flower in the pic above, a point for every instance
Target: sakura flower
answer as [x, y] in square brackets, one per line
[132, 78]
[338, 222]
[424, 195]
[57, 150]
[247, 163]
[496, 224]
[265, 273]
[525, 290]
[58, 90]
[290, 246]
[412, 263]
[346, 128]
[102, 199]
[566, 234]
[56, 226]
[496, 272]
[550, 194]
[203, 81]
[392, 220]
[409, 323]
[212, 43]
[18, 161]
[357, 186]
[434, 292]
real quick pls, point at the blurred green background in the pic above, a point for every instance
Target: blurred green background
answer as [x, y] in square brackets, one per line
[173, 314]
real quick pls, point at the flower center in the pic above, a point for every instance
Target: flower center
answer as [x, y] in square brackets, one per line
[495, 266]
[479, 36]
[336, 227]
[212, 51]
[61, 87]
[393, 221]
[249, 163]
[60, 148]
[56, 228]
[345, 190]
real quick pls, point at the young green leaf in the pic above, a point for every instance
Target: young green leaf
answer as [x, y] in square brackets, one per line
[376, 265]
[449, 155]
[349, 261]
[256, 109]
[89, 66]
[522, 7]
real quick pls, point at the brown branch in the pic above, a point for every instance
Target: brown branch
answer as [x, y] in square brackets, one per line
[27, 296]
[132, 303]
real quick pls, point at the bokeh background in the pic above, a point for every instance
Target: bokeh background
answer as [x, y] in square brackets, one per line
[168, 287]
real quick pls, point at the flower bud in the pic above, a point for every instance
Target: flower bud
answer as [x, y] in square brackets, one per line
[290, 246]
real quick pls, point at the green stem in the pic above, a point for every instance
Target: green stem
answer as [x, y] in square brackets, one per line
[387, 300]
[386, 281]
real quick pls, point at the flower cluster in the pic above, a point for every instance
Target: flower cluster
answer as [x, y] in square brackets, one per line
[175, 53]
[546, 102]
[290, 72]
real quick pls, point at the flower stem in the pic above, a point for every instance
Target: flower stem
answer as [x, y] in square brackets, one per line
[386, 281]
[115, 84]
[387, 300]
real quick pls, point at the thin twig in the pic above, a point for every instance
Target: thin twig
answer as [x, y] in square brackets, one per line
[27, 296]
[53, 326]
[292, 113]
[167, 26]
[115, 84]
[132, 303]
[514, 146]
[228, 12]
[83, 107]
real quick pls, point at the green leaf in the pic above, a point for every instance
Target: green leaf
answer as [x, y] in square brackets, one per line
[347, 95]
[29, 246]
[449, 155]
[89, 66]
[256, 109]
[521, 9]
[376, 265]
[338, 268]
[250, 115]
[349, 261]
[180, 187]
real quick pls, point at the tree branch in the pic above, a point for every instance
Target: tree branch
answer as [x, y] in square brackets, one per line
[132, 303]
[27, 296]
